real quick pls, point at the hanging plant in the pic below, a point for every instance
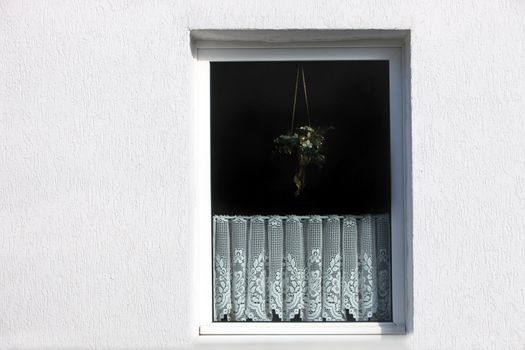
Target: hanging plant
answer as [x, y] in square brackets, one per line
[305, 142]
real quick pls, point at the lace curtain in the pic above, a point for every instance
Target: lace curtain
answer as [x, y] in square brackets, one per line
[312, 268]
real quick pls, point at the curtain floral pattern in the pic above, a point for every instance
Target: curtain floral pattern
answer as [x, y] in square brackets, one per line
[308, 268]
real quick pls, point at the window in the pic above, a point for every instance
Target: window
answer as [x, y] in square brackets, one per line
[283, 239]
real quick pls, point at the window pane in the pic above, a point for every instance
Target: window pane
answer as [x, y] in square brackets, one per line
[322, 254]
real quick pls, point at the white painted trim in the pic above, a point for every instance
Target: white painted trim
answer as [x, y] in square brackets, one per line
[400, 155]
[316, 328]
[398, 189]
[289, 38]
[297, 54]
[204, 44]
[203, 247]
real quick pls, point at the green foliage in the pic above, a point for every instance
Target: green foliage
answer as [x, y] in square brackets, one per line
[307, 144]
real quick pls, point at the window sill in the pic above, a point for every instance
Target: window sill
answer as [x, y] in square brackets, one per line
[368, 328]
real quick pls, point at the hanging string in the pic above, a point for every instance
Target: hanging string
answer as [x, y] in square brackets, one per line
[305, 96]
[295, 97]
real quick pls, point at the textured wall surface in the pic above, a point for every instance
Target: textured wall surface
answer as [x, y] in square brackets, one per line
[96, 170]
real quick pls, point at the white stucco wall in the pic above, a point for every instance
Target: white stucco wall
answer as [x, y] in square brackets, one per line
[96, 170]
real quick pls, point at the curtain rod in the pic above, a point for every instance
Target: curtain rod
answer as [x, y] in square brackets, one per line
[295, 216]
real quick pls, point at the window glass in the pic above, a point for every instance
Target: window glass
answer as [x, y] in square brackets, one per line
[314, 251]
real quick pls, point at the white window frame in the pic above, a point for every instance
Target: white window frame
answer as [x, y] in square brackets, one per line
[399, 146]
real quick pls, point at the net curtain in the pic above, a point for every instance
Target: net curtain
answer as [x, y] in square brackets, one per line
[301, 268]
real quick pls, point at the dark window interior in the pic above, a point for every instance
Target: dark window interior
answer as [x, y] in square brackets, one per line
[251, 104]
